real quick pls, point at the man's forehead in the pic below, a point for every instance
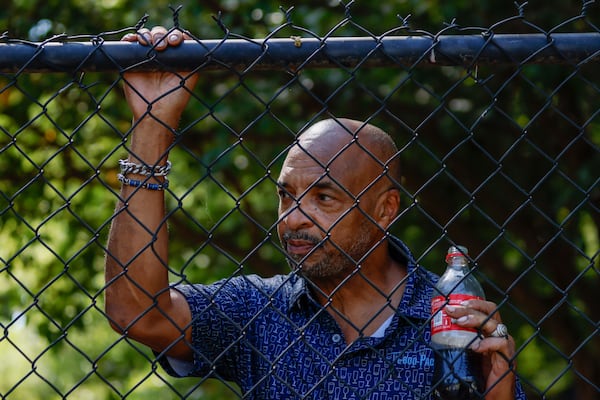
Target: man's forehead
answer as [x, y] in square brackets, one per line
[323, 158]
[343, 150]
[344, 169]
[324, 147]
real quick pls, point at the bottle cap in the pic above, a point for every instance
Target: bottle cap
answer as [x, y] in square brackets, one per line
[457, 251]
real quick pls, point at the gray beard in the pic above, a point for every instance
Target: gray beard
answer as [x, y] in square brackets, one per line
[339, 265]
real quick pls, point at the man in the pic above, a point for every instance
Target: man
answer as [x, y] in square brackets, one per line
[350, 321]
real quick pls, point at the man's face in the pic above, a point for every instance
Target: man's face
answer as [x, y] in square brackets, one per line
[322, 228]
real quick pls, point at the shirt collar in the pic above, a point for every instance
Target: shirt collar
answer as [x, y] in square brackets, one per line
[299, 292]
[416, 299]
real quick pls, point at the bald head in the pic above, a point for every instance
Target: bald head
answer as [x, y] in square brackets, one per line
[353, 143]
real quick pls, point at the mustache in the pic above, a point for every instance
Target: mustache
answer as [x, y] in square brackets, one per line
[287, 236]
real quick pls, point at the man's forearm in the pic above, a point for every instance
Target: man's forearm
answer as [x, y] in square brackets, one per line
[137, 259]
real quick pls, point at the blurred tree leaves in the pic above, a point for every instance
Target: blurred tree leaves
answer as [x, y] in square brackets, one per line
[503, 159]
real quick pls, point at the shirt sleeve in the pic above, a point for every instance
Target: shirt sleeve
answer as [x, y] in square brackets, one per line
[217, 321]
[519, 392]
[180, 367]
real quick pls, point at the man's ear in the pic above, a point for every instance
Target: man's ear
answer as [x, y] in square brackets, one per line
[388, 207]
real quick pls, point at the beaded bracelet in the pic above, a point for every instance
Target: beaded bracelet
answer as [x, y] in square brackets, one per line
[128, 167]
[143, 184]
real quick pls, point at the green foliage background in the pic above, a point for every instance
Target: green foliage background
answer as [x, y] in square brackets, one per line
[526, 205]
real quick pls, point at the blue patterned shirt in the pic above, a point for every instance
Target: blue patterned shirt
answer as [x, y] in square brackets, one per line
[276, 342]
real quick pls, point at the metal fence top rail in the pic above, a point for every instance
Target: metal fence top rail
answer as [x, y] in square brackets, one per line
[297, 52]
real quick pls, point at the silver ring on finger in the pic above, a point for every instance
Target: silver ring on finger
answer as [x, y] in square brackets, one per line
[500, 331]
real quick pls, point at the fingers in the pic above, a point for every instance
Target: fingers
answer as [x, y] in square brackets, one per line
[503, 346]
[479, 314]
[483, 316]
[159, 37]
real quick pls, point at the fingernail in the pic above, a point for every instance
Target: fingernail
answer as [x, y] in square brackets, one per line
[450, 308]
[462, 319]
[160, 42]
[464, 303]
[173, 37]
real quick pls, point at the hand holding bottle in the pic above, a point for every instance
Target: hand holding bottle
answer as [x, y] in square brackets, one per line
[497, 352]
[473, 351]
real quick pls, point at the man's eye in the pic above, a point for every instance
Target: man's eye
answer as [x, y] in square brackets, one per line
[324, 197]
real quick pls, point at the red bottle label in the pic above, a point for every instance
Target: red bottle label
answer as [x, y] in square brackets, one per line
[440, 321]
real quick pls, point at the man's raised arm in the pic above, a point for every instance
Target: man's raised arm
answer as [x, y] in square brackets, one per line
[139, 302]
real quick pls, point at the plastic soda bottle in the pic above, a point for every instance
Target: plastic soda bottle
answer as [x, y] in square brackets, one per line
[457, 370]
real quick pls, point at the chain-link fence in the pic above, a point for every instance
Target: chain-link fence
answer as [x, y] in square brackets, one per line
[497, 131]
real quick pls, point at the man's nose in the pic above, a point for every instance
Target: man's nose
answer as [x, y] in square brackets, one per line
[296, 218]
